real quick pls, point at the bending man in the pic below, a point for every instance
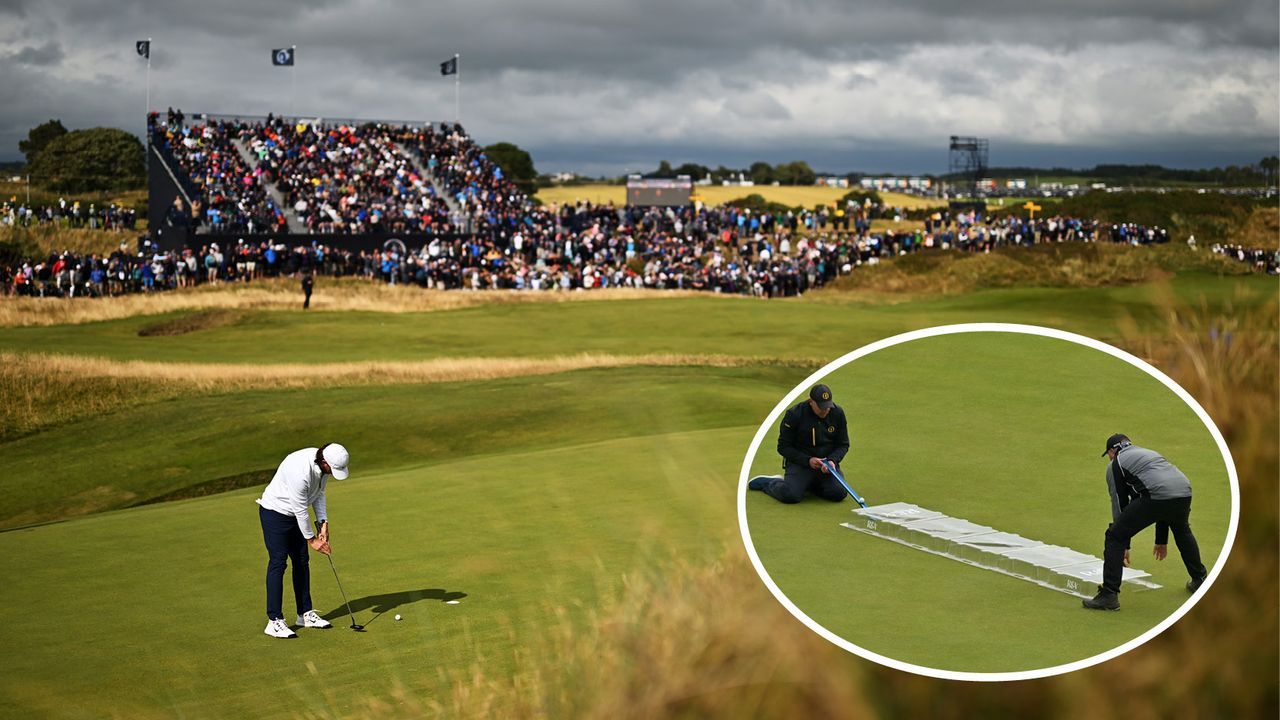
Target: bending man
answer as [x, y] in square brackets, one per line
[1145, 488]
[813, 431]
[298, 484]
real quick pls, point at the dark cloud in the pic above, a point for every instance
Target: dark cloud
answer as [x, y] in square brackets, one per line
[797, 75]
[46, 54]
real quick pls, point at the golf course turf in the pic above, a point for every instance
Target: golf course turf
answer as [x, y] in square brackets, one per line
[1002, 429]
[528, 498]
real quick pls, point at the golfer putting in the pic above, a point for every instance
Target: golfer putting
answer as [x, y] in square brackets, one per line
[299, 484]
[812, 440]
[1145, 488]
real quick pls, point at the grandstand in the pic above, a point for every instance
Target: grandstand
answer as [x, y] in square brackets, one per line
[352, 183]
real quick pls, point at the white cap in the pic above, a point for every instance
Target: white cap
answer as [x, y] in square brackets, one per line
[338, 459]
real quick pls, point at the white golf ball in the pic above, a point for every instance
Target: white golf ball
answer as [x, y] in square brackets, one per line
[397, 617]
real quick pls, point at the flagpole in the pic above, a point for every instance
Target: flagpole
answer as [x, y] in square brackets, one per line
[148, 77]
[457, 88]
[146, 119]
[293, 79]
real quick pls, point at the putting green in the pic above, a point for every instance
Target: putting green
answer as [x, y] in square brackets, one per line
[1003, 430]
[157, 611]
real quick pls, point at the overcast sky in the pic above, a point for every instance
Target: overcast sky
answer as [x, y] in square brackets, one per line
[608, 86]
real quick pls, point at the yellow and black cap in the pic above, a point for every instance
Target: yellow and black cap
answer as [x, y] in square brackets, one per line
[821, 394]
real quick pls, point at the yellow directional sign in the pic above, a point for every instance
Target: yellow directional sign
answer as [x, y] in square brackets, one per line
[1033, 208]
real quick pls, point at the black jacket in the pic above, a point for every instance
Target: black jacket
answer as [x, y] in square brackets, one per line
[804, 435]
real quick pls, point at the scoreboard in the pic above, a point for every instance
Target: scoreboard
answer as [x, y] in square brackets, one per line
[660, 192]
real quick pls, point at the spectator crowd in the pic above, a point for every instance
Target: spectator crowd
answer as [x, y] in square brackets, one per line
[259, 178]
[590, 247]
[68, 214]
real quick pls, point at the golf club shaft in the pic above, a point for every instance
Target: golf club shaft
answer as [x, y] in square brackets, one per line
[831, 467]
[336, 579]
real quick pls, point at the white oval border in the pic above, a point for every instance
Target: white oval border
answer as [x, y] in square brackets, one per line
[831, 637]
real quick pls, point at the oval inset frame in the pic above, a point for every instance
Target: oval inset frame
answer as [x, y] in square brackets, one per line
[799, 390]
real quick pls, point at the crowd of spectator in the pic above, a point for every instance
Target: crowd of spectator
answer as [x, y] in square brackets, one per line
[231, 196]
[711, 250]
[1267, 261]
[331, 178]
[68, 214]
[436, 181]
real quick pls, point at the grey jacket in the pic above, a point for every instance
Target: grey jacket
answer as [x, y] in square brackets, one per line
[1137, 471]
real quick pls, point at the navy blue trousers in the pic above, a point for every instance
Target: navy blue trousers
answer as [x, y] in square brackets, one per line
[284, 540]
[799, 479]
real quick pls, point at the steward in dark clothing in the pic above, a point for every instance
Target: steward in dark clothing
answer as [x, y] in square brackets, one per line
[307, 283]
[1145, 489]
[812, 431]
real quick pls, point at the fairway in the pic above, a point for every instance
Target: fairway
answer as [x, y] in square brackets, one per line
[1003, 430]
[710, 325]
[471, 505]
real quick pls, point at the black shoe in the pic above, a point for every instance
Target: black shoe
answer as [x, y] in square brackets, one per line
[1103, 601]
[1194, 585]
[758, 483]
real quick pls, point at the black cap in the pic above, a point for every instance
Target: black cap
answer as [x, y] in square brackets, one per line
[821, 394]
[1115, 441]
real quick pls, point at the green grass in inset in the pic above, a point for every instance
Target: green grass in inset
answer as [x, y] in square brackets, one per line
[1004, 430]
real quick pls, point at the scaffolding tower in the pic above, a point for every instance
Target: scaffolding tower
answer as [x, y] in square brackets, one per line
[968, 163]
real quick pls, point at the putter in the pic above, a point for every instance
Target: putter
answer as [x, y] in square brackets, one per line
[831, 468]
[334, 568]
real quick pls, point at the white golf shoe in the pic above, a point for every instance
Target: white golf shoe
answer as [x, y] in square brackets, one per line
[311, 619]
[278, 629]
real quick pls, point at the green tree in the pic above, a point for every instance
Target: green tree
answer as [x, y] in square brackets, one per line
[761, 173]
[693, 170]
[722, 173]
[90, 160]
[664, 171]
[1270, 165]
[516, 164]
[40, 136]
[795, 173]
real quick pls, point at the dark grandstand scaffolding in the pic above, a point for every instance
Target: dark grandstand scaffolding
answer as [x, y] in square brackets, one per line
[968, 162]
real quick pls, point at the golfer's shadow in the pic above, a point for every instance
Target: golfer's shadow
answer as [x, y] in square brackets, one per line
[390, 601]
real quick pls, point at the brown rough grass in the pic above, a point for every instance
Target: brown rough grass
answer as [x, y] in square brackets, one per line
[953, 272]
[45, 390]
[284, 293]
[47, 239]
[1261, 230]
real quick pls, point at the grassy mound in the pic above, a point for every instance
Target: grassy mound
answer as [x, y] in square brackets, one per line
[193, 322]
[1062, 265]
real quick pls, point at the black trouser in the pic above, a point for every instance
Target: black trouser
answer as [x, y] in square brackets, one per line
[799, 479]
[285, 540]
[1140, 514]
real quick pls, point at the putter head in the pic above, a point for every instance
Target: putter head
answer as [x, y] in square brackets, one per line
[357, 628]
